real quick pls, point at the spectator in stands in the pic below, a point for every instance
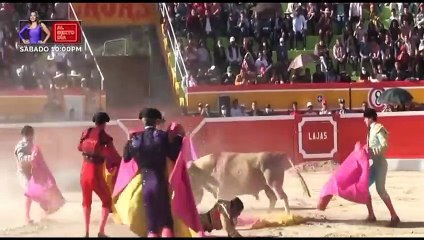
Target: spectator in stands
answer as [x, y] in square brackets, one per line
[403, 57]
[365, 76]
[388, 53]
[248, 65]
[318, 76]
[282, 59]
[254, 110]
[325, 27]
[324, 108]
[381, 75]
[364, 51]
[312, 17]
[355, 13]
[219, 56]
[352, 53]
[287, 30]
[375, 56]
[229, 77]
[398, 74]
[276, 78]
[243, 26]
[193, 24]
[234, 57]
[394, 15]
[266, 51]
[419, 19]
[209, 24]
[235, 110]
[299, 28]
[191, 55]
[360, 32]
[310, 111]
[321, 49]
[261, 63]
[394, 30]
[203, 55]
[247, 48]
[242, 78]
[277, 25]
[339, 55]
[407, 16]
[232, 28]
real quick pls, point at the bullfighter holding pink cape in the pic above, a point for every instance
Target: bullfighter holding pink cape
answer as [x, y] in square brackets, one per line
[35, 176]
[353, 178]
[152, 193]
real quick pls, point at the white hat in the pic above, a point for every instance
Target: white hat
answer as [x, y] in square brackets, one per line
[232, 39]
[309, 104]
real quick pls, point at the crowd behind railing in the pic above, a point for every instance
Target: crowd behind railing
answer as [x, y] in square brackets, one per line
[240, 110]
[237, 43]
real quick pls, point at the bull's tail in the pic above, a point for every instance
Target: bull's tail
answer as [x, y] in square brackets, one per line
[301, 179]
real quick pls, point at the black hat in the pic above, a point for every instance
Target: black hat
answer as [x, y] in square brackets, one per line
[370, 113]
[151, 113]
[101, 117]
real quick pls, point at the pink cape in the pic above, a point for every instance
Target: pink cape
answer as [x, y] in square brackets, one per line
[42, 186]
[350, 181]
[183, 204]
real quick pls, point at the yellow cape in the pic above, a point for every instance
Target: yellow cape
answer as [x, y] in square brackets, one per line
[128, 207]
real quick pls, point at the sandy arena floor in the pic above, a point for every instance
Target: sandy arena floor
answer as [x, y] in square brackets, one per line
[342, 218]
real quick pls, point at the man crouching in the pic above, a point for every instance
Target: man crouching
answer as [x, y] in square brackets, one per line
[223, 216]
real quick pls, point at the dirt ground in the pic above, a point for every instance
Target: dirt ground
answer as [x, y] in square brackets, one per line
[342, 218]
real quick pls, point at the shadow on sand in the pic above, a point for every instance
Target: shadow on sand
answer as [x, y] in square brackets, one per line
[356, 222]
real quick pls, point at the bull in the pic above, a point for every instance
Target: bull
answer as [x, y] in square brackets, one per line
[229, 174]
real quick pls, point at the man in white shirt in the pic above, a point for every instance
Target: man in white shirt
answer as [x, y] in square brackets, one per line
[324, 109]
[299, 28]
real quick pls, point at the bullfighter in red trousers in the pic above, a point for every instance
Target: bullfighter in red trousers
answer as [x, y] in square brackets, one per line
[97, 148]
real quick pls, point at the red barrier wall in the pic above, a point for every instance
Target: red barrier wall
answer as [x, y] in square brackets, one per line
[244, 134]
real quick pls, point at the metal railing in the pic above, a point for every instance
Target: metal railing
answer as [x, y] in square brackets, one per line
[172, 39]
[87, 44]
[124, 40]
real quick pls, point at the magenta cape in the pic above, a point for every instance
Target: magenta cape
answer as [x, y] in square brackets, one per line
[183, 204]
[42, 186]
[350, 181]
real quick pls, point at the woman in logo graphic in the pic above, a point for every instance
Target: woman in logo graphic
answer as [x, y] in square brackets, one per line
[34, 28]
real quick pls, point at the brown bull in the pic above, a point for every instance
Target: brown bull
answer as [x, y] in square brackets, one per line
[228, 174]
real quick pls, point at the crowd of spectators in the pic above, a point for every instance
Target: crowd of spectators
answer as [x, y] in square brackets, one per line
[240, 110]
[232, 43]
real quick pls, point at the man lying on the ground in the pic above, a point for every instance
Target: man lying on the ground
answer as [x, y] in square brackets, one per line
[223, 216]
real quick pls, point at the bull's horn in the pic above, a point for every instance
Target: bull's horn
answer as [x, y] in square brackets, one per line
[301, 179]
